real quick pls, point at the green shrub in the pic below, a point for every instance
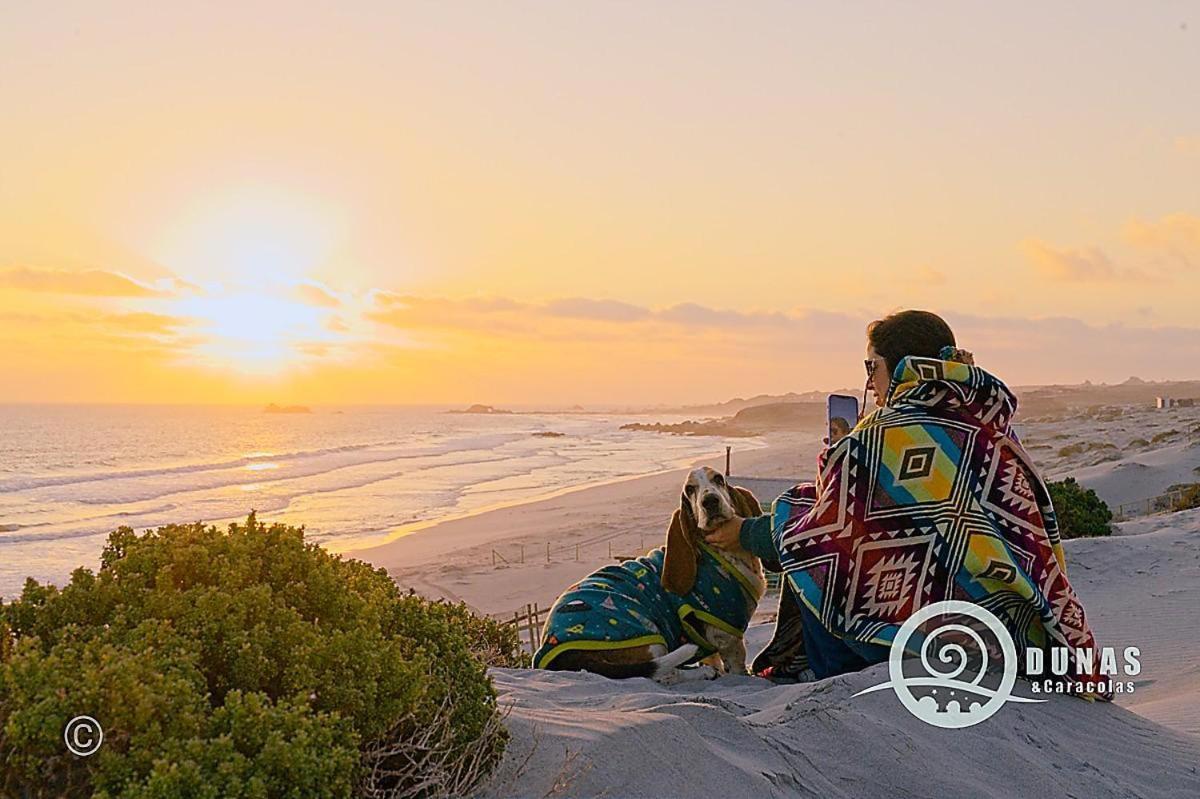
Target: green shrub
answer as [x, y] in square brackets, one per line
[1081, 513]
[243, 664]
[494, 643]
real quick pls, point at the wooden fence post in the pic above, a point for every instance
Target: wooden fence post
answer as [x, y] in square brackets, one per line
[529, 625]
[727, 449]
[537, 627]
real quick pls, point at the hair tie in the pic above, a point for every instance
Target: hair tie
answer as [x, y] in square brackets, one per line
[952, 353]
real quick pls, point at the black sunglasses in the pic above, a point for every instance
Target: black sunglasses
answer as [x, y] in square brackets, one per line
[870, 364]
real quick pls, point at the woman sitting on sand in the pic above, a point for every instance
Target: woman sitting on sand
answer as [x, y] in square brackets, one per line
[929, 498]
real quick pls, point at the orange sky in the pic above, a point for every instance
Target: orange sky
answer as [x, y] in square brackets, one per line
[586, 202]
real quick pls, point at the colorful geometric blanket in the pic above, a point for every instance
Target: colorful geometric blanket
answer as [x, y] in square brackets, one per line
[929, 498]
[626, 605]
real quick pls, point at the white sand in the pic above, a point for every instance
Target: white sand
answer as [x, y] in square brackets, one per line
[581, 735]
[1127, 455]
[584, 736]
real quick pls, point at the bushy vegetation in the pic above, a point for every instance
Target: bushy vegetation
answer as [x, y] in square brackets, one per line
[1102, 451]
[248, 664]
[1081, 513]
[1189, 496]
[1073, 449]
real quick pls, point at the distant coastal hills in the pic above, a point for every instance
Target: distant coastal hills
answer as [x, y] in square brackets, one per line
[749, 421]
[793, 411]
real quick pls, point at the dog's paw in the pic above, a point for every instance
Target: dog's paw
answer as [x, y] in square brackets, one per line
[694, 674]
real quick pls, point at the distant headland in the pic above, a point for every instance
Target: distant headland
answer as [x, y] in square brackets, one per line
[480, 409]
[273, 408]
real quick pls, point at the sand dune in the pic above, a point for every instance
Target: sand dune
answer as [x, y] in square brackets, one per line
[1142, 587]
[1127, 454]
[1145, 475]
[580, 735]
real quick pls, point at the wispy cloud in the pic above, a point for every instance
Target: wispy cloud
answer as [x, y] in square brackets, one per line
[312, 294]
[143, 322]
[92, 282]
[1076, 265]
[502, 314]
[602, 310]
[761, 346]
[1175, 236]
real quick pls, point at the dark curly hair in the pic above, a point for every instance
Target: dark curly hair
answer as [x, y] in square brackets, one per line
[905, 333]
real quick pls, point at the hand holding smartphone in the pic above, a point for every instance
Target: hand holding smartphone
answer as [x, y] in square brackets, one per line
[842, 414]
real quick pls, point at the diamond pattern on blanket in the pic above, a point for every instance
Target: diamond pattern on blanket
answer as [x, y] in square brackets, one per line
[918, 464]
[1008, 493]
[888, 578]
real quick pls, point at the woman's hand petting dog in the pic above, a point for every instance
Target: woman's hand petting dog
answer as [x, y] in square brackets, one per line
[727, 534]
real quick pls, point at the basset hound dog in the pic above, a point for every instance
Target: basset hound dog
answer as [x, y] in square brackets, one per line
[678, 604]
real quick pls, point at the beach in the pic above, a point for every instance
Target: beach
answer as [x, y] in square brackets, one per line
[496, 561]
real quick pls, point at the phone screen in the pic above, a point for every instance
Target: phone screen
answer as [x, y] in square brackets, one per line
[843, 415]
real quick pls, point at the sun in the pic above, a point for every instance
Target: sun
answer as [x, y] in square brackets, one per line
[247, 248]
[252, 331]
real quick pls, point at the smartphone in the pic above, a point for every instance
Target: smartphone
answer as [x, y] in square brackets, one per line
[842, 413]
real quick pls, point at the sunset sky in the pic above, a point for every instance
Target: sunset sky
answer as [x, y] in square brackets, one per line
[620, 202]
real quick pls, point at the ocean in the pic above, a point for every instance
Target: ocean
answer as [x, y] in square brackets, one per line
[70, 474]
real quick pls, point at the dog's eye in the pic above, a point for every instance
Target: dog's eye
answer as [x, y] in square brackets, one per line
[718, 479]
[689, 490]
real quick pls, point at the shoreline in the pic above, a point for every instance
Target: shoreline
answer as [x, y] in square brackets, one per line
[411, 528]
[498, 559]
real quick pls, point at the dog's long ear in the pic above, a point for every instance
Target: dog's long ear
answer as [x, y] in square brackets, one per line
[744, 502]
[679, 560]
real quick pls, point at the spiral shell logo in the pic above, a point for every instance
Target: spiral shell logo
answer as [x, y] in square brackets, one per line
[950, 699]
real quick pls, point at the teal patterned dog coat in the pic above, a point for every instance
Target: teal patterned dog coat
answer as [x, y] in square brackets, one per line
[626, 605]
